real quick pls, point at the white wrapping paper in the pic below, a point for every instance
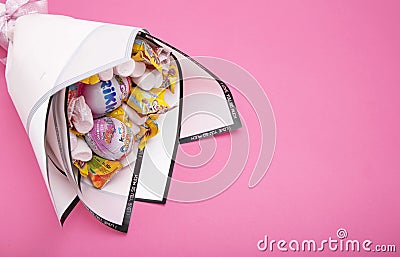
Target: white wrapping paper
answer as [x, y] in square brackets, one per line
[48, 53]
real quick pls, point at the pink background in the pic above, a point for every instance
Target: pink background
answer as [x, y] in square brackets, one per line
[331, 72]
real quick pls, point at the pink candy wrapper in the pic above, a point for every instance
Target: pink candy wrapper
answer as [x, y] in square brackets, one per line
[110, 138]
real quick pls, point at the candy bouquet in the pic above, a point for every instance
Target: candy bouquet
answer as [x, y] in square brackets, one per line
[112, 114]
[105, 107]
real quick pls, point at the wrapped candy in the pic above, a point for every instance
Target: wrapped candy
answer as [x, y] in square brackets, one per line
[133, 115]
[148, 130]
[102, 97]
[171, 77]
[139, 70]
[79, 148]
[149, 79]
[79, 114]
[98, 169]
[148, 102]
[142, 51]
[125, 69]
[110, 138]
[100, 180]
[106, 96]
[125, 84]
[131, 68]
[123, 116]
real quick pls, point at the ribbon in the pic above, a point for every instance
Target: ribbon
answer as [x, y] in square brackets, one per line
[13, 10]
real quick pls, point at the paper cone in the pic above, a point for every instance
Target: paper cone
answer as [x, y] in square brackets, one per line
[49, 53]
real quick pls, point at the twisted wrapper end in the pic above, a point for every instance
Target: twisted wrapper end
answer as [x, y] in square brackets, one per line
[11, 11]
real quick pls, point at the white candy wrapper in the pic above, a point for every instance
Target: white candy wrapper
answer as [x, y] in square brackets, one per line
[47, 54]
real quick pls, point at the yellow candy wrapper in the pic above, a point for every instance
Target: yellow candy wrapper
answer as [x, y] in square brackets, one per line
[98, 166]
[99, 181]
[142, 51]
[159, 58]
[91, 80]
[121, 115]
[170, 78]
[82, 167]
[148, 130]
[148, 102]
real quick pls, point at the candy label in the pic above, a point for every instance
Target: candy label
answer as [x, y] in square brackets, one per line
[124, 86]
[109, 95]
[110, 138]
[148, 102]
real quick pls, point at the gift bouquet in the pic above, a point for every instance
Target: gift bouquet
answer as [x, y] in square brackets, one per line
[104, 106]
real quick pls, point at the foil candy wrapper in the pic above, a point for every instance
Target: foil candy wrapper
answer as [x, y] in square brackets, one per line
[110, 138]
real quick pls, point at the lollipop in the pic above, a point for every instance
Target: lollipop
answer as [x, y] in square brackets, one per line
[110, 138]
